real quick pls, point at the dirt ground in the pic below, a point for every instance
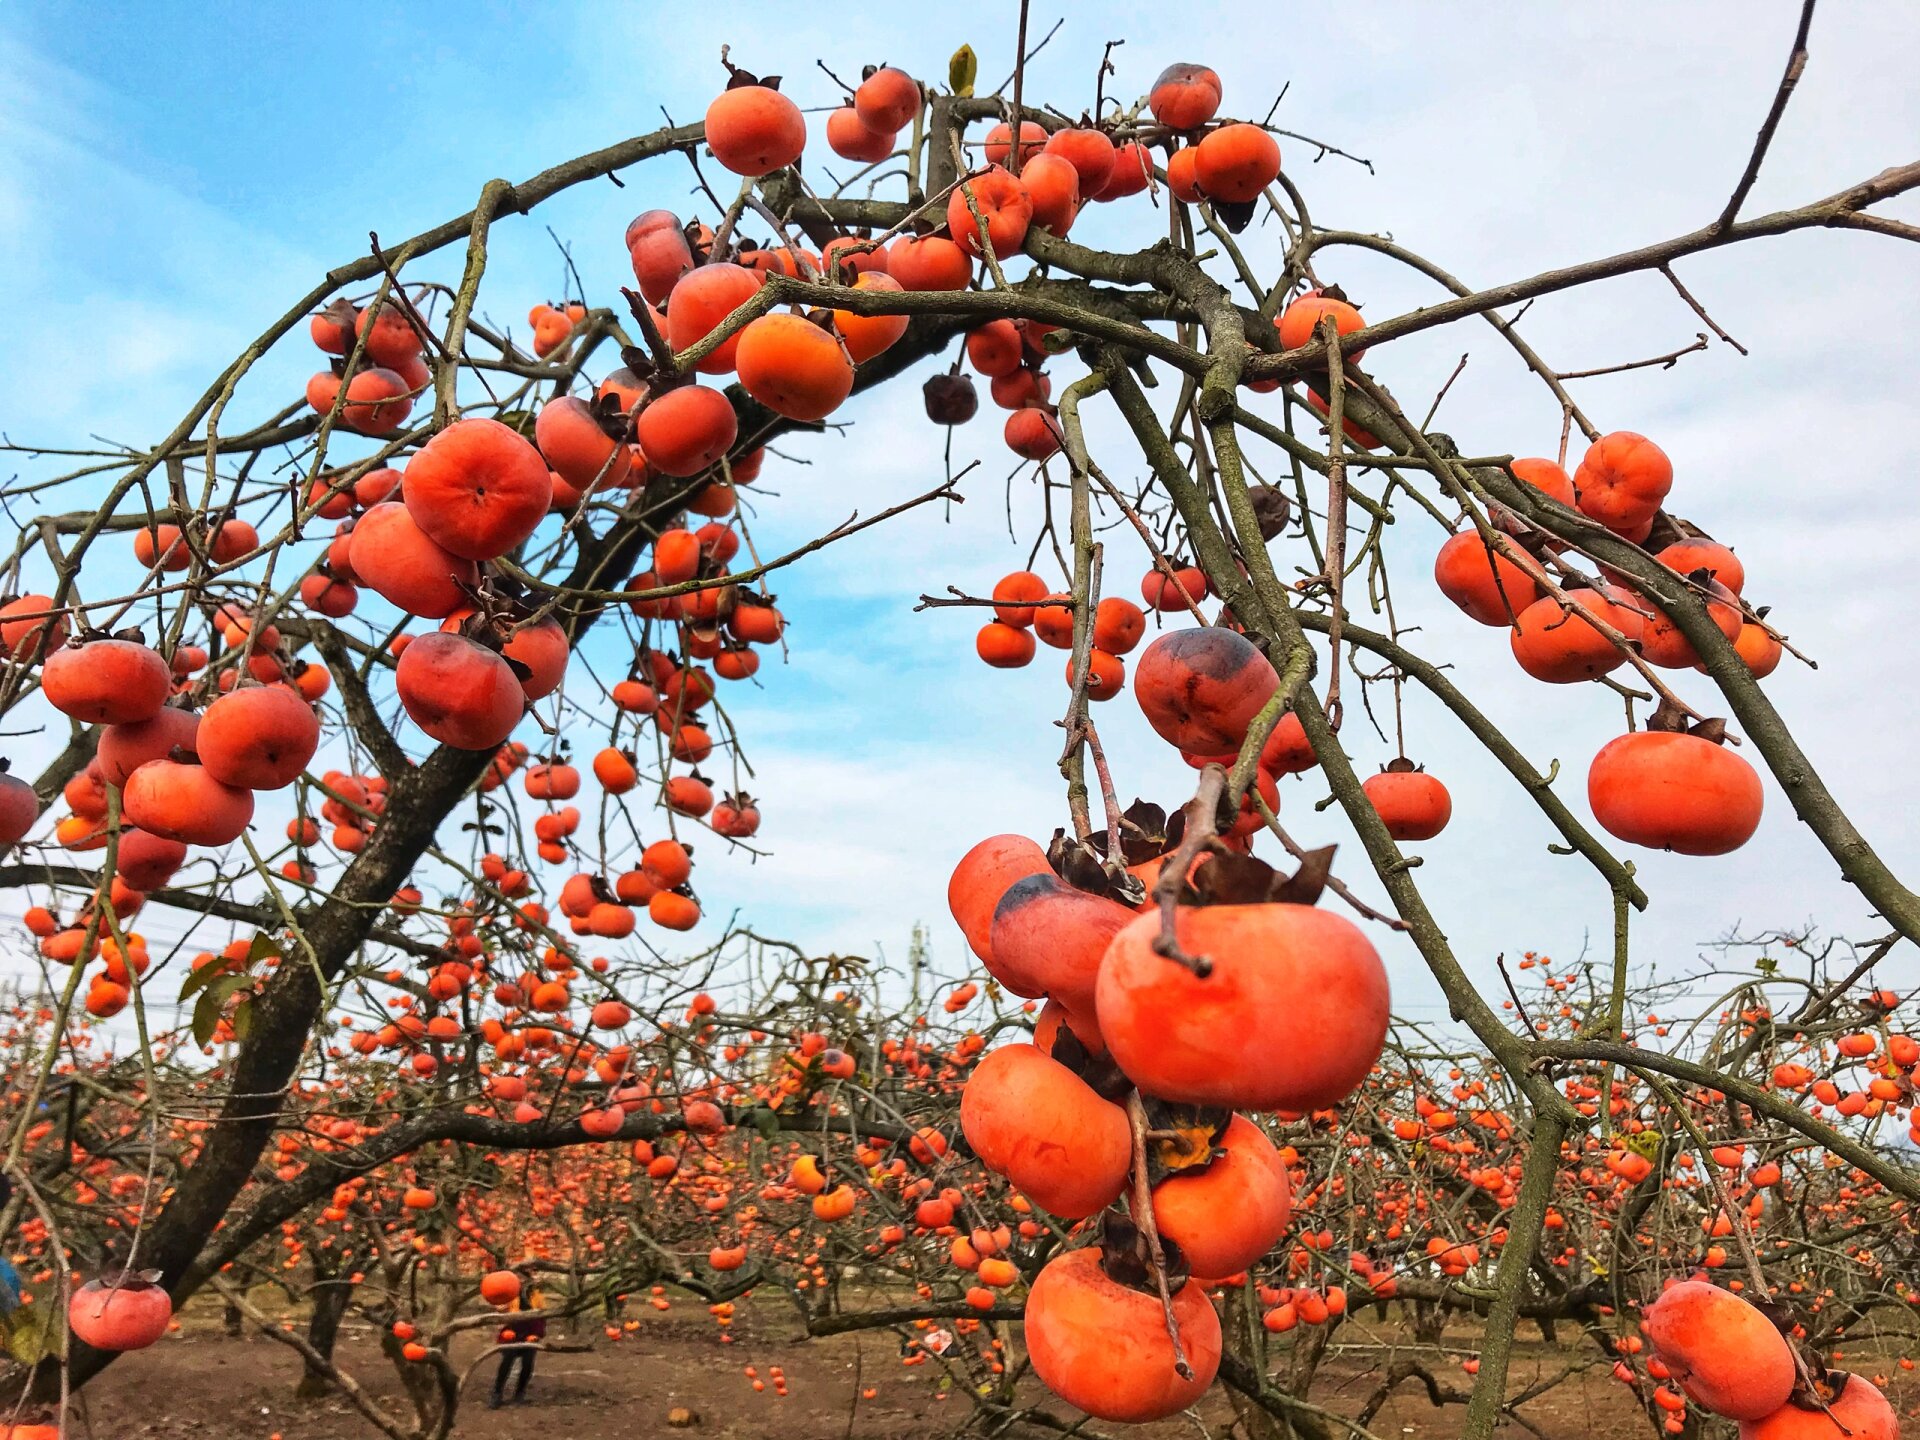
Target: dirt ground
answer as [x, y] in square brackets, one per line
[204, 1385]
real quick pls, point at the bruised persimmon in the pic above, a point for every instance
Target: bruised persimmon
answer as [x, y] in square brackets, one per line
[1048, 938]
[1055, 1018]
[1032, 1120]
[1184, 97]
[657, 246]
[794, 367]
[1291, 1017]
[1201, 688]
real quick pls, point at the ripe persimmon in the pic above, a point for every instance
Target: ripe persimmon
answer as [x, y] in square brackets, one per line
[1033, 140]
[1621, 481]
[753, 129]
[459, 692]
[1103, 1347]
[983, 876]
[887, 98]
[258, 738]
[128, 1315]
[1855, 1410]
[1003, 207]
[1091, 154]
[1004, 646]
[700, 302]
[851, 138]
[477, 489]
[1485, 584]
[794, 367]
[1053, 190]
[407, 567]
[106, 681]
[929, 262]
[1031, 1119]
[1412, 804]
[1227, 1215]
[123, 749]
[1723, 1352]
[1033, 434]
[866, 336]
[180, 801]
[686, 430]
[1291, 1017]
[1563, 646]
[576, 447]
[1299, 323]
[1235, 163]
[1671, 791]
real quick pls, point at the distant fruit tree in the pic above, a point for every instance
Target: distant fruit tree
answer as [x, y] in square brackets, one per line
[306, 666]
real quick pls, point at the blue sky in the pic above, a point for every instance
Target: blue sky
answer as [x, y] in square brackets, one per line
[168, 180]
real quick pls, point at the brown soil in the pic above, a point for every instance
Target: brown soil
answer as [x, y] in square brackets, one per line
[204, 1385]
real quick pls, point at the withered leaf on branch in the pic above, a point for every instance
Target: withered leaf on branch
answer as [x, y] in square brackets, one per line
[1230, 879]
[1125, 1258]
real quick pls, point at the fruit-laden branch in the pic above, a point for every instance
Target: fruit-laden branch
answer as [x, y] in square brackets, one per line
[325, 1173]
[1902, 1180]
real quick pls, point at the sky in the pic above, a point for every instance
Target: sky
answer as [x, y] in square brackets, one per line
[169, 181]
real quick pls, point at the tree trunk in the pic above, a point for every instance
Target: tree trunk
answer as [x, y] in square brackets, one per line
[331, 1292]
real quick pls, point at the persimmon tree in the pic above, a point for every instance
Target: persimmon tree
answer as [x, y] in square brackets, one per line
[303, 693]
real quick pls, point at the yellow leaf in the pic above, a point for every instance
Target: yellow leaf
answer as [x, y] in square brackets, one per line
[962, 70]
